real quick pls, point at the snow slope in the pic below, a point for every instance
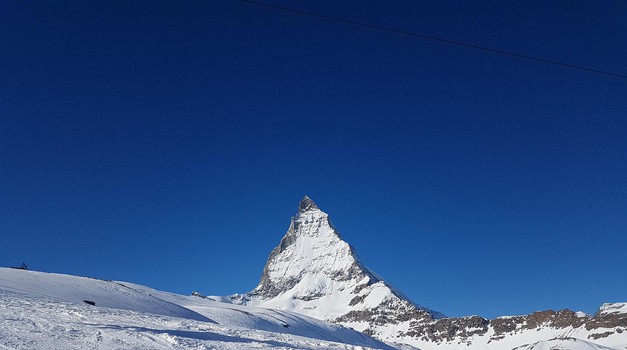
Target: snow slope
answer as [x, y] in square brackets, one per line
[562, 344]
[75, 289]
[46, 311]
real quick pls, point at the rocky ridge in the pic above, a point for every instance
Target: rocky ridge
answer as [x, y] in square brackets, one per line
[462, 329]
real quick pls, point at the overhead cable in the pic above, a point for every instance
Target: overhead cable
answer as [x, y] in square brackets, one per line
[434, 38]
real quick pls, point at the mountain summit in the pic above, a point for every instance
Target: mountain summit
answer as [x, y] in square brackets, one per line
[313, 271]
[306, 204]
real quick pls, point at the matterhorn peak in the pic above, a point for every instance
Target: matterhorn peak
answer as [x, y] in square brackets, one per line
[306, 204]
[315, 272]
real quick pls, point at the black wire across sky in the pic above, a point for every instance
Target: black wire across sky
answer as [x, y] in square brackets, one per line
[434, 38]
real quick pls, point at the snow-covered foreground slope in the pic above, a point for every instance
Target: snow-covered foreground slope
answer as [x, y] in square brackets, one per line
[47, 311]
[76, 289]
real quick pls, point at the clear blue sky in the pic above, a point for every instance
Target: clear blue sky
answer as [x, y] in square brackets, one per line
[169, 143]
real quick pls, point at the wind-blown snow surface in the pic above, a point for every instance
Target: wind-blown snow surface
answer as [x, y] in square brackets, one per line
[46, 311]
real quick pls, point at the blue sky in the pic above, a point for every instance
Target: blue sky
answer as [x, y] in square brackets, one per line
[169, 143]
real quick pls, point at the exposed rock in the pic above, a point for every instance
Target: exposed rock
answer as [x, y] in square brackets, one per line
[596, 336]
[306, 204]
[449, 328]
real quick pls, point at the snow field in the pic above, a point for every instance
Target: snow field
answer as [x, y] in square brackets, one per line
[46, 311]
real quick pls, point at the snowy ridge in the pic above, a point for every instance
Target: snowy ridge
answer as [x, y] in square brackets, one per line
[613, 308]
[46, 311]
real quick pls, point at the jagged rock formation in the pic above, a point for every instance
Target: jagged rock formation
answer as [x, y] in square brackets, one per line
[314, 272]
[610, 320]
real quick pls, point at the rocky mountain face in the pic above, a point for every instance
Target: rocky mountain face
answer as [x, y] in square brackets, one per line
[314, 272]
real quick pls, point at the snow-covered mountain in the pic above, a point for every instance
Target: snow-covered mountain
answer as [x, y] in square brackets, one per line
[53, 311]
[314, 272]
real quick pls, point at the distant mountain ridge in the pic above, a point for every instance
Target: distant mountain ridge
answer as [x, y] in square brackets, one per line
[314, 272]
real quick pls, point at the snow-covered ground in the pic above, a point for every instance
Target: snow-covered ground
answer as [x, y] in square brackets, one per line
[47, 311]
[562, 344]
